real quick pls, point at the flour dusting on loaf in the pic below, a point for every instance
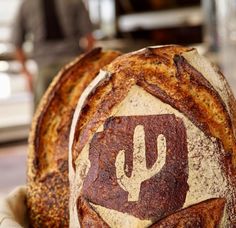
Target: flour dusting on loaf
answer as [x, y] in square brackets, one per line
[155, 142]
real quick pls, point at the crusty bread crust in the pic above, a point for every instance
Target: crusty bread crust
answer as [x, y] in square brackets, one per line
[169, 74]
[207, 214]
[48, 185]
[166, 74]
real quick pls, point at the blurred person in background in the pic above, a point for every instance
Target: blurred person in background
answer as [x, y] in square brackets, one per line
[57, 28]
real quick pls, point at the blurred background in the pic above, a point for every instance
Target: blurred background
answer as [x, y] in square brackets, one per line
[124, 25]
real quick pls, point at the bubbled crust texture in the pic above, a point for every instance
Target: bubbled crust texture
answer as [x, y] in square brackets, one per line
[48, 185]
[166, 74]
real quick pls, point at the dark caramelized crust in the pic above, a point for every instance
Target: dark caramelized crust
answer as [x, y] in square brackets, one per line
[164, 73]
[48, 185]
[118, 134]
[207, 214]
[88, 217]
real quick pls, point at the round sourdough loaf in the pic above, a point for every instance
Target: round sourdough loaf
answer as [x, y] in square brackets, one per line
[48, 185]
[152, 144]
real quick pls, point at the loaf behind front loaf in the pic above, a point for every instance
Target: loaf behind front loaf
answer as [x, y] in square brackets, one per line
[48, 184]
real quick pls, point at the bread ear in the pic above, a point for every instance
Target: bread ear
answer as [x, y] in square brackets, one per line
[161, 92]
[206, 214]
[48, 185]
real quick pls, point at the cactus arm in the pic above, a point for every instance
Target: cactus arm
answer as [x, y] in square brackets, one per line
[161, 149]
[140, 172]
[120, 164]
[139, 154]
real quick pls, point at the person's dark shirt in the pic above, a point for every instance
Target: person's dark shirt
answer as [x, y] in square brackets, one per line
[74, 23]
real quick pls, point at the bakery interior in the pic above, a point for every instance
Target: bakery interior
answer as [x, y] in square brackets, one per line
[124, 25]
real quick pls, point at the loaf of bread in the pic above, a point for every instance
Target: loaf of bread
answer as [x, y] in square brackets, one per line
[48, 184]
[152, 144]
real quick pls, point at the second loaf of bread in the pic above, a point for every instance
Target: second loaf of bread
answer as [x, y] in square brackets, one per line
[48, 183]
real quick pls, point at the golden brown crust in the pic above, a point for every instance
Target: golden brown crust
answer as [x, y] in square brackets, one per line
[164, 73]
[167, 75]
[48, 185]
